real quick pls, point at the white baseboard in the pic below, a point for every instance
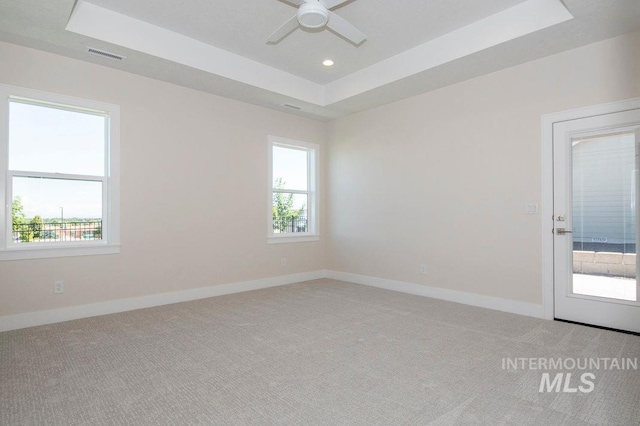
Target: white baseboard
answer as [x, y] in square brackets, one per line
[31, 319]
[473, 299]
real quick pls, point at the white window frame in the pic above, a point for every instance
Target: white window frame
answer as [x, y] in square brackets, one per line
[110, 242]
[313, 225]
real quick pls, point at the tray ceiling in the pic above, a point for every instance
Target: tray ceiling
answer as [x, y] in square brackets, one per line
[219, 47]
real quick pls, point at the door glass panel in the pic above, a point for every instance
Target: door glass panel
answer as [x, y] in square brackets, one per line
[604, 219]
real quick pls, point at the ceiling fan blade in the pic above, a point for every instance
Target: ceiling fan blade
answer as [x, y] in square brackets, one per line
[284, 30]
[345, 29]
[330, 4]
[295, 2]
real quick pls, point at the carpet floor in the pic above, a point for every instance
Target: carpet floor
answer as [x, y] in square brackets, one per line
[321, 352]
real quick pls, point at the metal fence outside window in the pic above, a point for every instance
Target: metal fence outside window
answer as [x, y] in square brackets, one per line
[288, 224]
[57, 231]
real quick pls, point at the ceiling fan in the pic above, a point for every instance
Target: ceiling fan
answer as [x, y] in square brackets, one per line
[316, 14]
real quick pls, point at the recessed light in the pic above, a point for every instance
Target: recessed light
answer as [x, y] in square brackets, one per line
[327, 62]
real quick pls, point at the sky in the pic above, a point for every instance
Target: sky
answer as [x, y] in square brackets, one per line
[41, 139]
[291, 165]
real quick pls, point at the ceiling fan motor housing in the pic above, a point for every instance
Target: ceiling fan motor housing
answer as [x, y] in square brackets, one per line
[313, 15]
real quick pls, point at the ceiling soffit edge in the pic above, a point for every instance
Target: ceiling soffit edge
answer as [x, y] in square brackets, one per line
[112, 27]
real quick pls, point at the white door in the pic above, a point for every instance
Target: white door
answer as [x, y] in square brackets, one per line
[596, 201]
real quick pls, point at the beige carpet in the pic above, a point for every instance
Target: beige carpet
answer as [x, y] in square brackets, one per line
[315, 353]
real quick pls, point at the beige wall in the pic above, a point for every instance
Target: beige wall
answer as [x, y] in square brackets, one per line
[442, 178]
[194, 170]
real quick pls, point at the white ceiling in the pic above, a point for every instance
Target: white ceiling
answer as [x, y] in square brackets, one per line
[242, 27]
[413, 46]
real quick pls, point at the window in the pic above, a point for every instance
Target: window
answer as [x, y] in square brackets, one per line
[60, 177]
[293, 191]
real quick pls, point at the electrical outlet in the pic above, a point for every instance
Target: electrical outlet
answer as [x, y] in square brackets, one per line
[58, 287]
[531, 208]
[423, 269]
[283, 262]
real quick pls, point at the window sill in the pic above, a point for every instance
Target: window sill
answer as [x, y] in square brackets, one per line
[293, 239]
[49, 252]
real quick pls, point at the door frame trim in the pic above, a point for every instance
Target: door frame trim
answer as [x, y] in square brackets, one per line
[546, 211]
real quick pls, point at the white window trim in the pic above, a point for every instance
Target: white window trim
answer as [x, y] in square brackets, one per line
[111, 196]
[313, 185]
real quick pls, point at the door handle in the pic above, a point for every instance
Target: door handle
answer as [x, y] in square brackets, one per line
[562, 231]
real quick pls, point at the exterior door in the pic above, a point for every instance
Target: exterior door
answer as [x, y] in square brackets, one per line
[596, 203]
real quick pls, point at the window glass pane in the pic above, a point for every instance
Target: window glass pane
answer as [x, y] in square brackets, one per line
[56, 210]
[290, 168]
[46, 139]
[289, 213]
[604, 220]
